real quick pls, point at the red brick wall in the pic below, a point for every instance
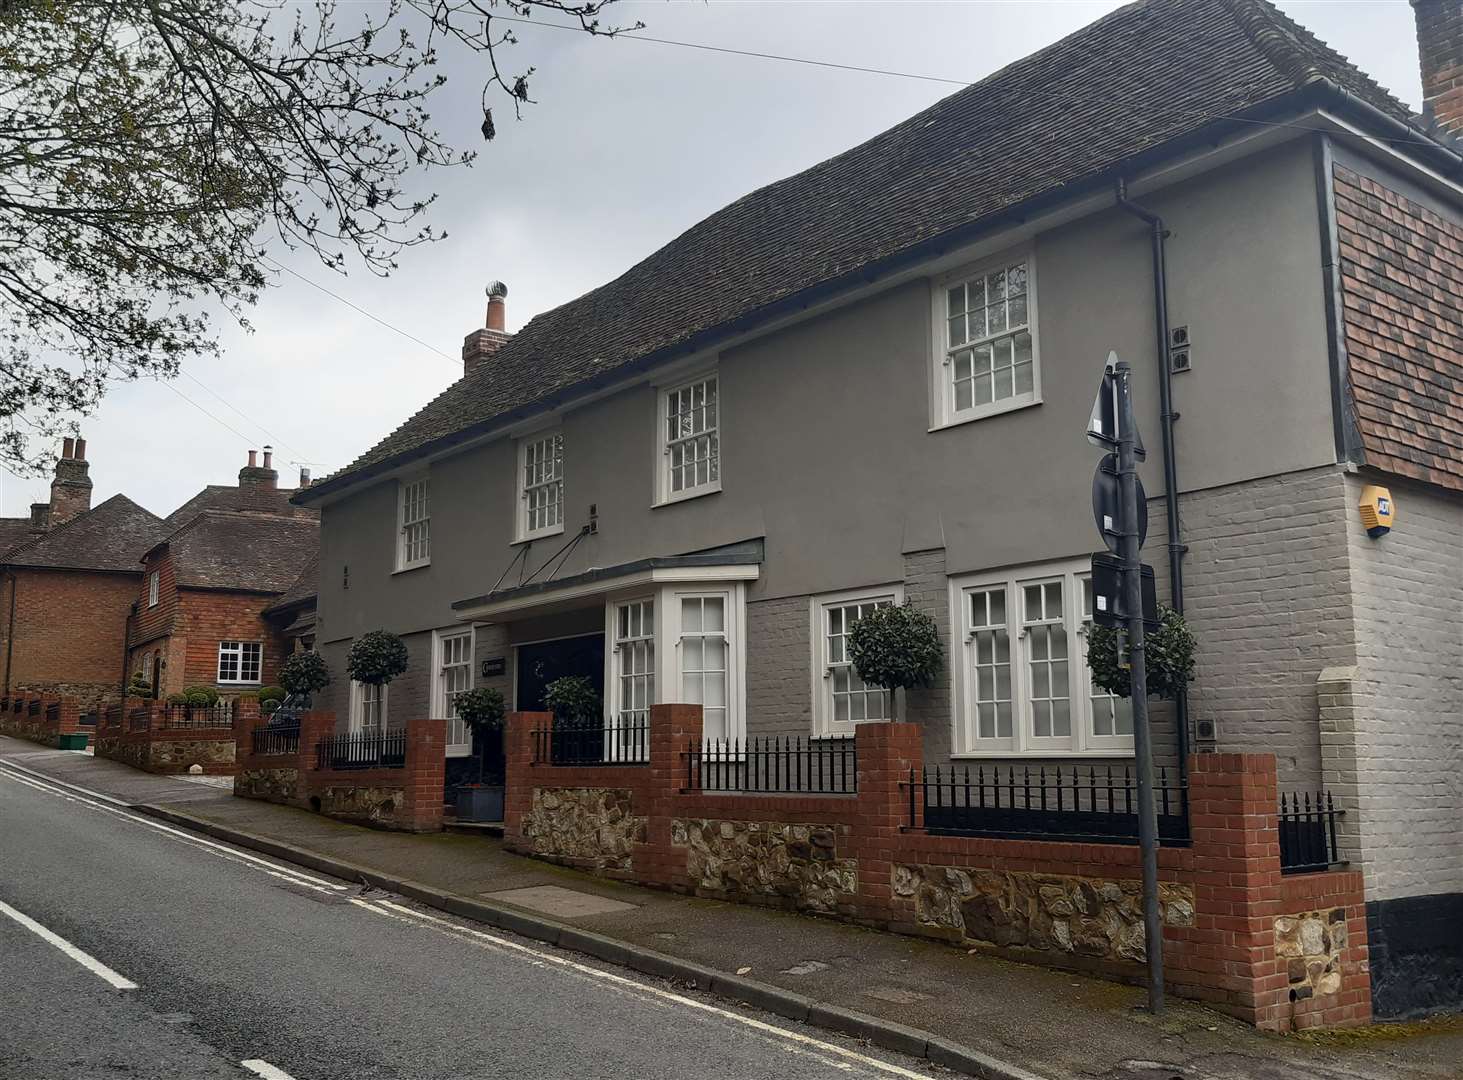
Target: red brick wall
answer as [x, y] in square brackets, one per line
[1223, 951]
[1402, 305]
[153, 622]
[69, 631]
[202, 619]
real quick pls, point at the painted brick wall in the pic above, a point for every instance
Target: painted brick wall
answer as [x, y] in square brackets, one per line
[927, 588]
[69, 632]
[779, 672]
[1267, 594]
[1408, 695]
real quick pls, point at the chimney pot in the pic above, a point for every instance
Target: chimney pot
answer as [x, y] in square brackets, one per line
[304, 477]
[68, 448]
[80, 448]
[268, 456]
[70, 486]
[479, 345]
[253, 454]
[1440, 56]
[497, 306]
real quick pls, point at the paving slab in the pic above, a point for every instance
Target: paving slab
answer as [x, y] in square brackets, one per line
[1055, 1024]
[558, 901]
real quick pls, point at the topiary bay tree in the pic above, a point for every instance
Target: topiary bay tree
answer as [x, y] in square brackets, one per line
[896, 647]
[1168, 657]
[484, 712]
[376, 658]
[304, 673]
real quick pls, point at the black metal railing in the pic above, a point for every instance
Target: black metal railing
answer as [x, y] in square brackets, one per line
[1308, 833]
[774, 764]
[618, 744]
[139, 719]
[362, 750]
[281, 739]
[220, 715]
[1091, 805]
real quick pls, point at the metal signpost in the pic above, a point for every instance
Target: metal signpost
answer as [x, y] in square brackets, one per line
[1113, 427]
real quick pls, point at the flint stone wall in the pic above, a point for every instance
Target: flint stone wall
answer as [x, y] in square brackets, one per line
[1046, 912]
[1311, 944]
[768, 862]
[591, 827]
[369, 804]
[272, 785]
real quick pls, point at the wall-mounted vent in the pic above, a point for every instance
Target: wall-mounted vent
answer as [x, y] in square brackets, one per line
[1180, 355]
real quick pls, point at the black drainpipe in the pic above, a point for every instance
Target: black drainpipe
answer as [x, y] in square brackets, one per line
[1166, 416]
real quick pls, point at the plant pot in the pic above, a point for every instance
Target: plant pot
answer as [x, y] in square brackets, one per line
[72, 740]
[480, 802]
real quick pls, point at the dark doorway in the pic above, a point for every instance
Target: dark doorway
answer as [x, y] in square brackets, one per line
[541, 663]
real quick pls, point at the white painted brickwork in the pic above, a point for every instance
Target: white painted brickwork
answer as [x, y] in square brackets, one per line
[1408, 694]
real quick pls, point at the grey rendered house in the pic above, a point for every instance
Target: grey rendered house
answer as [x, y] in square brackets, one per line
[868, 383]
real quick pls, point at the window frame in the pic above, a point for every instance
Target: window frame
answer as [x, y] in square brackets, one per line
[824, 726]
[238, 653]
[733, 634]
[152, 589]
[613, 663]
[521, 531]
[663, 493]
[403, 487]
[943, 413]
[440, 707]
[1024, 743]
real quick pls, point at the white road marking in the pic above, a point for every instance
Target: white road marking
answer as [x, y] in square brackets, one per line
[297, 877]
[632, 986]
[85, 959]
[260, 1067]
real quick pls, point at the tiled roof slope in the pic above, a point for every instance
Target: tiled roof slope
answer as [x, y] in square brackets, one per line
[305, 586]
[245, 498]
[111, 536]
[251, 552]
[1402, 297]
[1140, 77]
[14, 532]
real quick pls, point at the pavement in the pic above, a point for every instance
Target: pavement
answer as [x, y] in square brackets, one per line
[970, 1012]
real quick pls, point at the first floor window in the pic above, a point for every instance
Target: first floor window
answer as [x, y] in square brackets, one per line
[541, 485]
[152, 589]
[454, 676]
[987, 322]
[691, 439]
[1024, 686]
[414, 546]
[842, 698]
[634, 663]
[368, 708]
[239, 661]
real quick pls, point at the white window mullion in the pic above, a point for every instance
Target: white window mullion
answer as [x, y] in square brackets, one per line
[690, 439]
[987, 357]
[414, 524]
[541, 485]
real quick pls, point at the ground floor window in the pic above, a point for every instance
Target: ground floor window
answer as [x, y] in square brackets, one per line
[841, 698]
[1022, 685]
[368, 708]
[631, 687]
[240, 661]
[453, 676]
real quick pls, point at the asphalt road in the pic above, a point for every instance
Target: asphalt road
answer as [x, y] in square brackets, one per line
[244, 967]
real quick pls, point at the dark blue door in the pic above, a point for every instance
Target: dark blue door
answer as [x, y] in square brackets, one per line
[543, 662]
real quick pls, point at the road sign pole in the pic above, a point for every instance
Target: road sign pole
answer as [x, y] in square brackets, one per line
[1142, 744]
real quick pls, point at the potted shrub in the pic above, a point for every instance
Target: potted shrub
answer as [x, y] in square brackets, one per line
[1168, 657]
[483, 711]
[896, 647]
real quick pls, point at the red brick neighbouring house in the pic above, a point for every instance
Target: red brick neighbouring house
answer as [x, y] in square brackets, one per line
[200, 605]
[67, 581]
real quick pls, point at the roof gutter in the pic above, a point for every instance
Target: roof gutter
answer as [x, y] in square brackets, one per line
[1319, 90]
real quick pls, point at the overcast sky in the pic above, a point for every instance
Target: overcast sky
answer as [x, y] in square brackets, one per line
[630, 144]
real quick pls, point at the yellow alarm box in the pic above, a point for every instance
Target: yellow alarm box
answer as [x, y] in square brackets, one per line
[1376, 510]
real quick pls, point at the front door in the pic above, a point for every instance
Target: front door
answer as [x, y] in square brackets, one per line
[542, 662]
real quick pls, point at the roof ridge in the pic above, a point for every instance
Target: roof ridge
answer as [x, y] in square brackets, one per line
[71, 521]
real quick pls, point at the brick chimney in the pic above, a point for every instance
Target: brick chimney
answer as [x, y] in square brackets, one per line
[40, 517]
[1440, 56]
[481, 344]
[71, 488]
[263, 476]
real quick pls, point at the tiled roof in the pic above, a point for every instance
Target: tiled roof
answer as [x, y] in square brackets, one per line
[1145, 75]
[253, 499]
[1402, 308]
[14, 532]
[305, 586]
[252, 552]
[111, 536]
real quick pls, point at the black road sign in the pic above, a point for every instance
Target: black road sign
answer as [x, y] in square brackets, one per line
[1107, 504]
[1102, 427]
[1108, 608]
